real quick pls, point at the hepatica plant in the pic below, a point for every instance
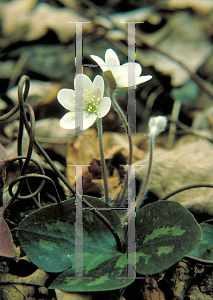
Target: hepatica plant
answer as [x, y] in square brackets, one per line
[164, 231]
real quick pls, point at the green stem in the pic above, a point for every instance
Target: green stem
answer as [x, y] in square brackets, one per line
[103, 164]
[144, 188]
[128, 132]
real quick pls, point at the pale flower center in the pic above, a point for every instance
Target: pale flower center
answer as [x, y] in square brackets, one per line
[90, 104]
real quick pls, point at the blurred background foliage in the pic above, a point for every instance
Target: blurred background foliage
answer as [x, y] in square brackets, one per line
[173, 44]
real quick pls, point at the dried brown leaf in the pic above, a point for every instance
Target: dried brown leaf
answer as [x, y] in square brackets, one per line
[196, 294]
[12, 13]
[184, 38]
[150, 290]
[40, 93]
[45, 17]
[61, 295]
[189, 162]
[201, 7]
[14, 287]
[82, 150]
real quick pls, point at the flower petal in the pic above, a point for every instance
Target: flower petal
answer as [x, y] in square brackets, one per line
[88, 120]
[99, 61]
[129, 67]
[104, 107]
[68, 121]
[84, 81]
[112, 65]
[66, 98]
[122, 81]
[111, 54]
[142, 79]
[98, 83]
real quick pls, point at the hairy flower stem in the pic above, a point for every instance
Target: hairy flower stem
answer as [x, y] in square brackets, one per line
[103, 164]
[131, 212]
[128, 132]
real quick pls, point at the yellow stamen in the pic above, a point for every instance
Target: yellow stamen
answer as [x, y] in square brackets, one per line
[85, 90]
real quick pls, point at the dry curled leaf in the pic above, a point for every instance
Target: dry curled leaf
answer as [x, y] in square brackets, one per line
[180, 280]
[45, 17]
[189, 162]
[171, 39]
[12, 13]
[61, 295]
[40, 93]
[196, 294]
[14, 287]
[201, 7]
[150, 290]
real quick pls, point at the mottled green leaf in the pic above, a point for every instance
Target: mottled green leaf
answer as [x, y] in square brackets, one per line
[165, 233]
[99, 275]
[187, 93]
[48, 235]
[204, 251]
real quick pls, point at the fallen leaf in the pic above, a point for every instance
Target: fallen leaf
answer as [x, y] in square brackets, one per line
[45, 17]
[150, 290]
[40, 93]
[171, 39]
[6, 240]
[201, 7]
[72, 296]
[14, 287]
[196, 294]
[76, 153]
[12, 13]
[187, 163]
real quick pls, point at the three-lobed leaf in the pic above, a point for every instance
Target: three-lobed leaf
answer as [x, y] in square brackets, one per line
[99, 275]
[48, 236]
[165, 233]
[204, 251]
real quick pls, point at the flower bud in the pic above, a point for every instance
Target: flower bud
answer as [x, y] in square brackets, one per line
[157, 125]
[110, 79]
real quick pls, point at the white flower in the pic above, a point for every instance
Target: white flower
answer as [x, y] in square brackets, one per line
[90, 106]
[120, 72]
